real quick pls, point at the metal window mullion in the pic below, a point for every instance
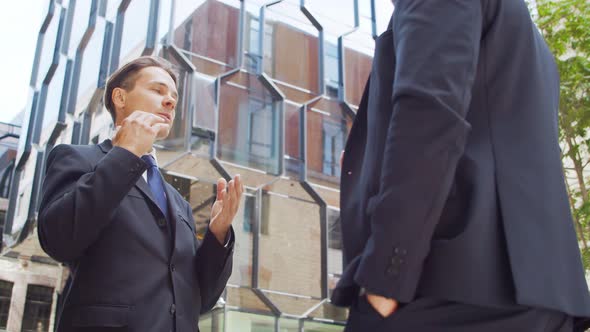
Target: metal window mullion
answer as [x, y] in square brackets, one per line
[75, 82]
[11, 212]
[256, 236]
[36, 189]
[69, 22]
[152, 31]
[280, 123]
[63, 105]
[169, 38]
[117, 36]
[241, 31]
[374, 19]
[303, 142]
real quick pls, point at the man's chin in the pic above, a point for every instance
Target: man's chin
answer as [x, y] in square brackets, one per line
[162, 136]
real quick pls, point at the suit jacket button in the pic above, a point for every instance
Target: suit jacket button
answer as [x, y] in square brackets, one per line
[161, 222]
[172, 309]
[172, 267]
[396, 261]
[393, 271]
[349, 173]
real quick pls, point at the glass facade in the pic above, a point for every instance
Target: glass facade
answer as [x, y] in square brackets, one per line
[268, 90]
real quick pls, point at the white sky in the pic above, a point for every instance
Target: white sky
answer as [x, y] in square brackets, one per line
[19, 27]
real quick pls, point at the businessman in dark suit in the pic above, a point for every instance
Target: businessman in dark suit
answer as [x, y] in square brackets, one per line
[126, 235]
[454, 210]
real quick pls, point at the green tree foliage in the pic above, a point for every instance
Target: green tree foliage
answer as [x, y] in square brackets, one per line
[565, 24]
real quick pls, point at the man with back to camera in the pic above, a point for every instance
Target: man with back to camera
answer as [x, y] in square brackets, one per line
[127, 236]
[454, 211]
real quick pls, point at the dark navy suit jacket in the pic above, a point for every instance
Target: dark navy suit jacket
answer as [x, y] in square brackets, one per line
[452, 181]
[130, 268]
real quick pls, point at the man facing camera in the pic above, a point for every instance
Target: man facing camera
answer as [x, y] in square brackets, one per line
[127, 236]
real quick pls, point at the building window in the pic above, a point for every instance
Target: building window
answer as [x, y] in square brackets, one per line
[334, 231]
[333, 144]
[5, 295]
[37, 308]
[261, 129]
[252, 54]
[331, 67]
[250, 214]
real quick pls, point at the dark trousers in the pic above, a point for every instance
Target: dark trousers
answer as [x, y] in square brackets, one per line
[430, 315]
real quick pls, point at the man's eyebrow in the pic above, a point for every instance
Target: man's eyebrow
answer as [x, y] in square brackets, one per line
[174, 93]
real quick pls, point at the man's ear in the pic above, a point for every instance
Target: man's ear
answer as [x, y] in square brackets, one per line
[119, 97]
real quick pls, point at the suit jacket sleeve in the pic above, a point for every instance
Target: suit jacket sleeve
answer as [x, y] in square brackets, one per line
[437, 47]
[214, 266]
[79, 199]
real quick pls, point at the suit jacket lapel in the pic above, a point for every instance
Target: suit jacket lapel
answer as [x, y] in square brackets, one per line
[141, 184]
[359, 125]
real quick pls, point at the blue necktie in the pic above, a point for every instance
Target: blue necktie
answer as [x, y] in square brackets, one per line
[156, 183]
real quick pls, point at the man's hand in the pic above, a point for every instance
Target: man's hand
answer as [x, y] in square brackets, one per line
[138, 132]
[225, 207]
[384, 306]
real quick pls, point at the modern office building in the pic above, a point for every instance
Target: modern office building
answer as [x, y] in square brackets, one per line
[268, 89]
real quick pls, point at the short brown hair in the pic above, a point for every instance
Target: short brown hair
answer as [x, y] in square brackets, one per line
[126, 76]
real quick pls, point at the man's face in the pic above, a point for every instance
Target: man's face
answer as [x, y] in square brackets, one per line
[154, 92]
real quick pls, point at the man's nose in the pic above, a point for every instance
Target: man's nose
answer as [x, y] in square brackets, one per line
[169, 103]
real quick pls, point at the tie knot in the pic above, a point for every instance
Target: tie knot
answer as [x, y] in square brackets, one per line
[149, 159]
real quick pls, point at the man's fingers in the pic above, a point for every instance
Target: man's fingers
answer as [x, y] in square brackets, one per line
[239, 185]
[231, 193]
[221, 185]
[158, 127]
[145, 117]
[153, 119]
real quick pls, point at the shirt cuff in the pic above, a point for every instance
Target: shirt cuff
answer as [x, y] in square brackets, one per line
[228, 239]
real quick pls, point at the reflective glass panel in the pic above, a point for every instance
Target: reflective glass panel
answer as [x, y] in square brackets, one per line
[204, 90]
[54, 94]
[384, 9]
[49, 41]
[358, 48]
[290, 242]
[90, 66]
[244, 299]
[288, 325]
[208, 30]
[310, 326]
[241, 321]
[335, 16]
[248, 133]
[112, 9]
[134, 30]
[328, 124]
[243, 229]
[293, 158]
[293, 61]
[330, 312]
[79, 23]
[292, 305]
